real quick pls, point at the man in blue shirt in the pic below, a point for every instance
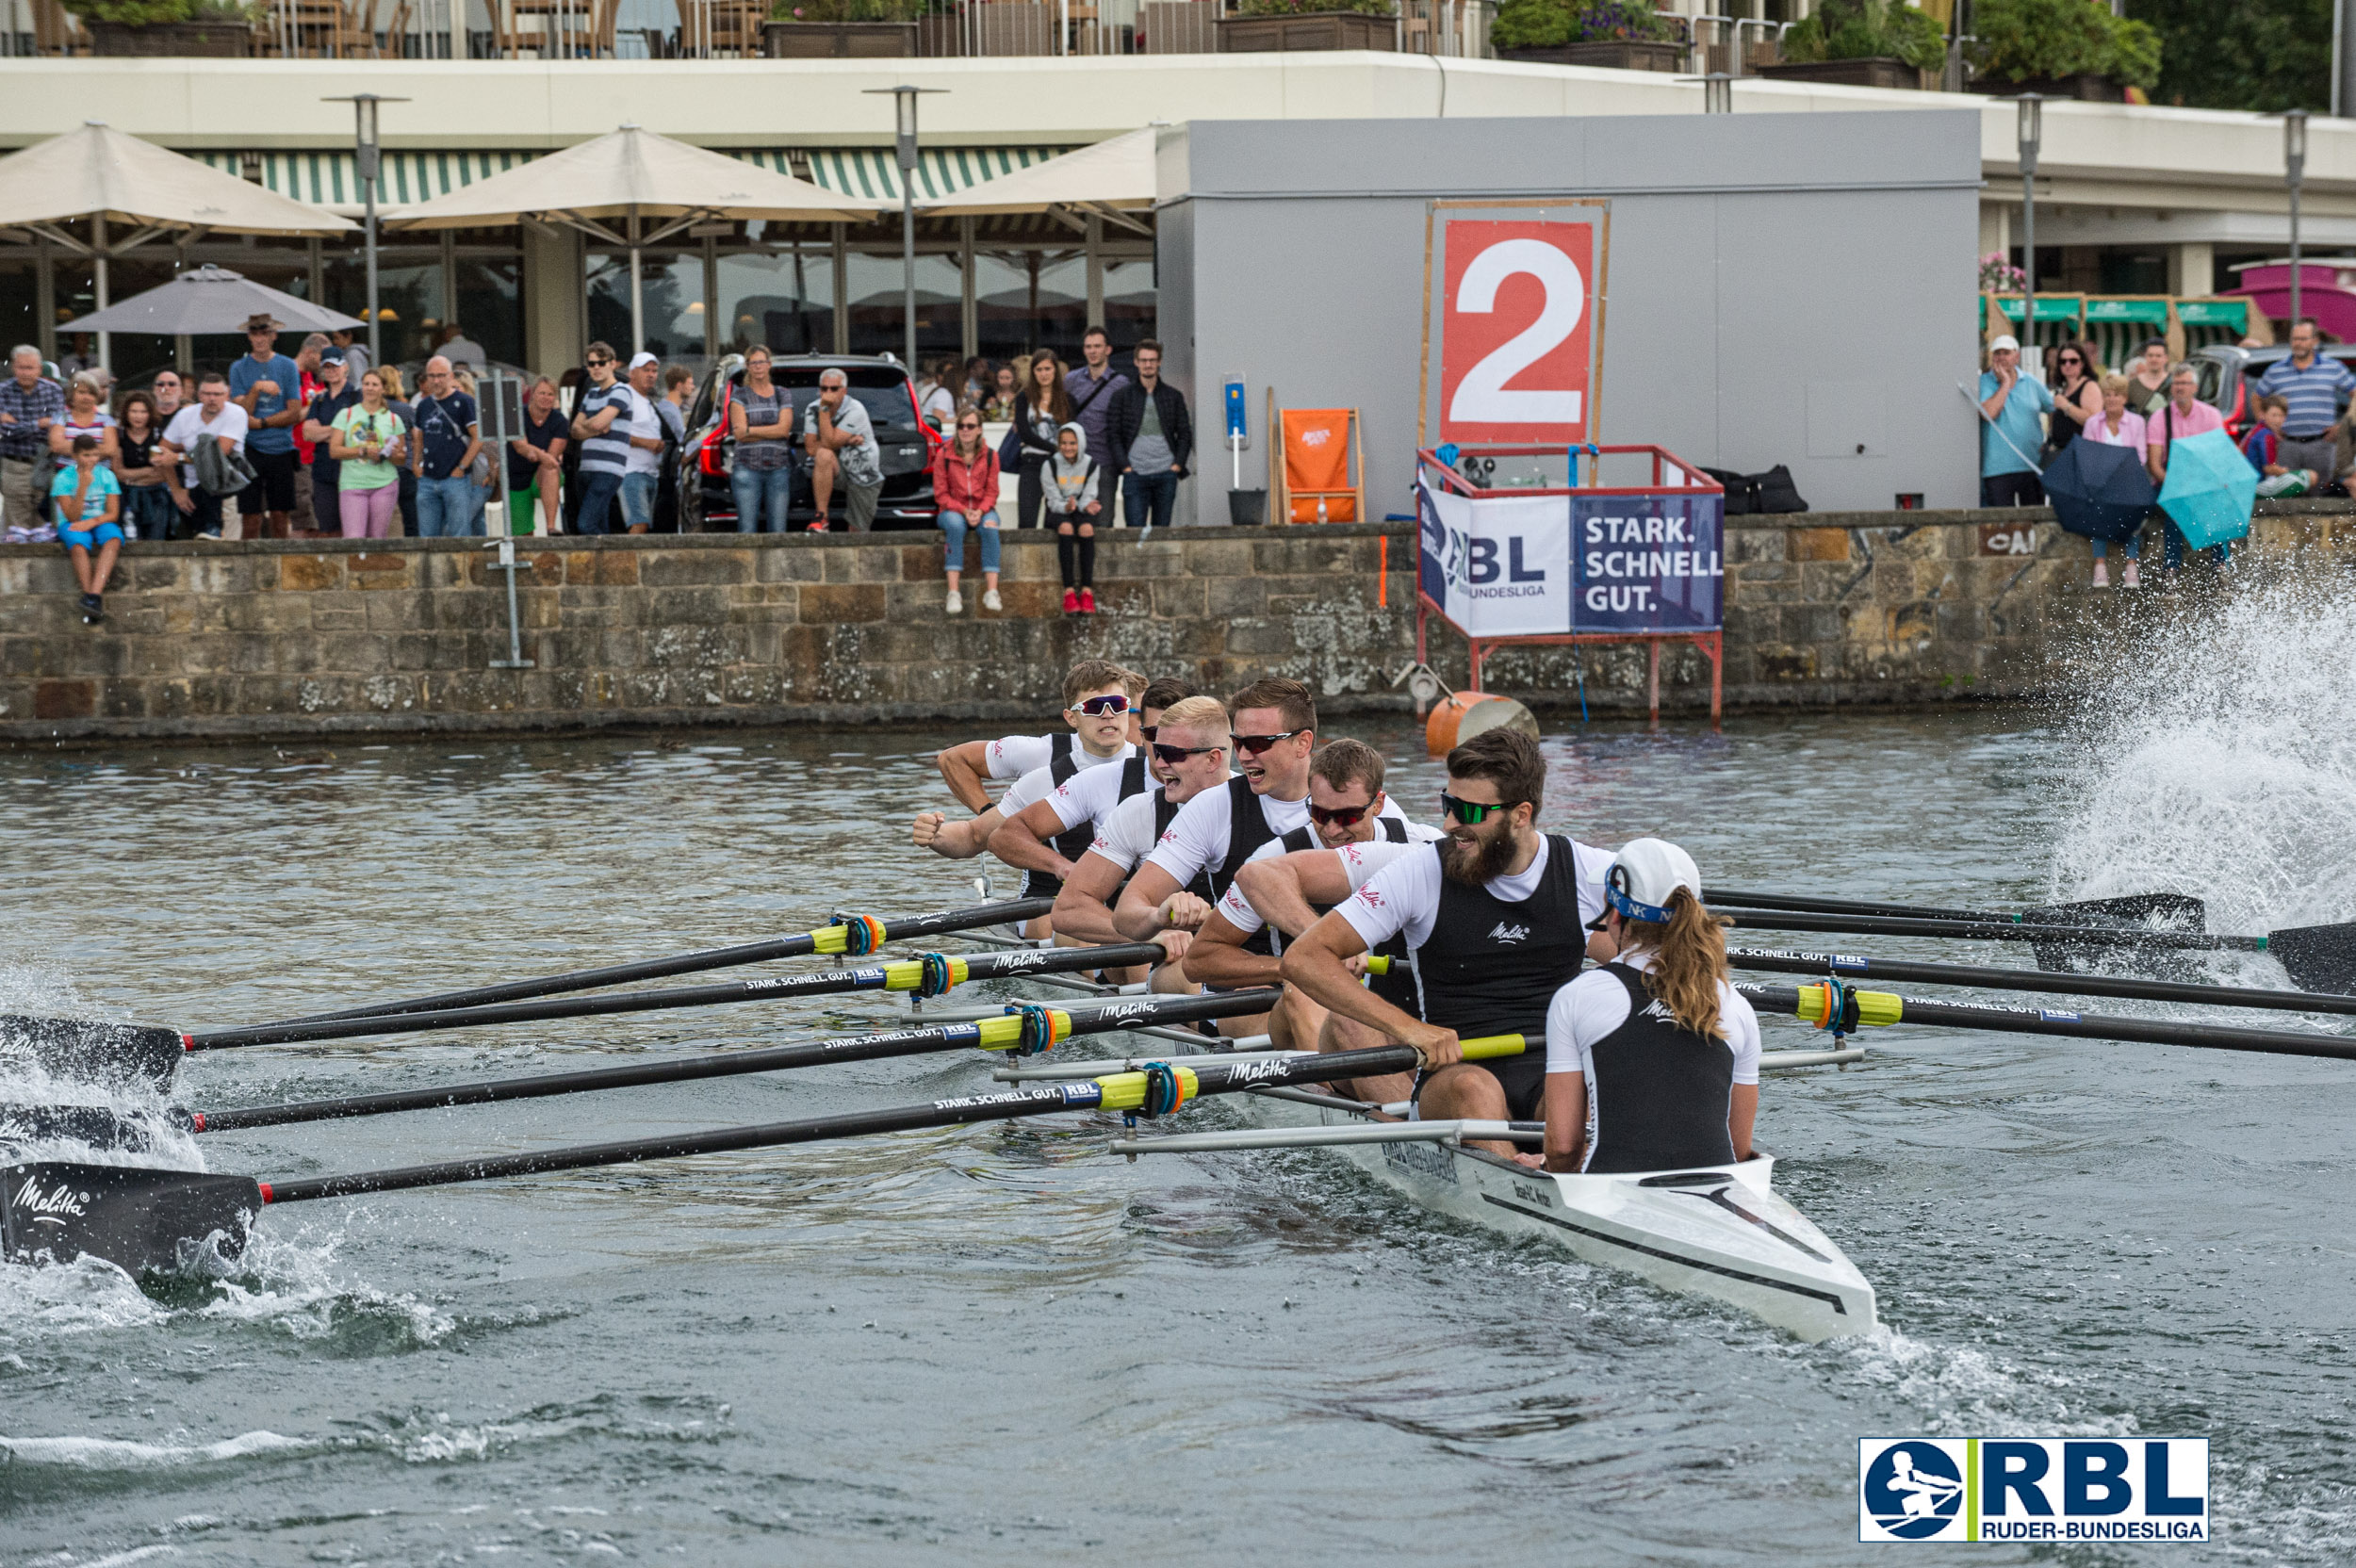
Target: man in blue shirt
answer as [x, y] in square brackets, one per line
[2010, 435]
[269, 387]
[449, 503]
[2315, 387]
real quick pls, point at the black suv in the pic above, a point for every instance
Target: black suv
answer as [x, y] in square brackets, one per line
[903, 442]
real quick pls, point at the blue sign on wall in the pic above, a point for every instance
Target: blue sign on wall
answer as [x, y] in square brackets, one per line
[1235, 430]
[1647, 562]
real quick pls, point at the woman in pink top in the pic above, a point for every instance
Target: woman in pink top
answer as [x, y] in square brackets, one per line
[2184, 416]
[2116, 426]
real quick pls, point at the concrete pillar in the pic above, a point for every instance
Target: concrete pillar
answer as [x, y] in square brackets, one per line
[556, 324]
[2191, 269]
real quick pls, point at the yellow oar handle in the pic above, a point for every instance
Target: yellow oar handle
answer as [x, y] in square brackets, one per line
[1489, 1047]
[1872, 1007]
[1378, 964]
[1125, 1091]
[1005, 1034]
[911, 975]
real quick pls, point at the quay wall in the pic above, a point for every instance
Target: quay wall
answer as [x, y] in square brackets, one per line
[303, 639]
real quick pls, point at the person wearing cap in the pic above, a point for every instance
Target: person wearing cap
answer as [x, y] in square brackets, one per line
[356, 360]
[642, 470]
[2011, 433]
[336, 394]
[269, 387]
[1652, 1059]
[1495, 920]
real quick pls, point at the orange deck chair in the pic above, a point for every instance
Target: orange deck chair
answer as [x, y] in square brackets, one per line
[1321, 453]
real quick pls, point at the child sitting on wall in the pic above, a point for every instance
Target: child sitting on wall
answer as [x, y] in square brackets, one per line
[2263, 444]
[88, 500]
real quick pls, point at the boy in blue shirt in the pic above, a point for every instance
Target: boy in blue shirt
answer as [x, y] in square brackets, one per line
[2264, 446]
[269, 387]
[88, 500]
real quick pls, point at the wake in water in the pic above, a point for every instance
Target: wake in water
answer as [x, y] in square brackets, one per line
[2220, 761]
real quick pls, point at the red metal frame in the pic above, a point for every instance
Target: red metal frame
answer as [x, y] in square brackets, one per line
[1711, 644]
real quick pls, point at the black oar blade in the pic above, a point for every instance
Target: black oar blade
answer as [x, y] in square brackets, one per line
[98, 1126]
[136, 1218]
[2319, 957]
[2157, 911]
[99, 1052]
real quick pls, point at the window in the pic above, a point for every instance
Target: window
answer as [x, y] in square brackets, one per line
[671, 283]
[783, 298]
[1029, 299]
[878, 304]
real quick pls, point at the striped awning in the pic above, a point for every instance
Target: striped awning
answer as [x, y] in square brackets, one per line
[875, 172]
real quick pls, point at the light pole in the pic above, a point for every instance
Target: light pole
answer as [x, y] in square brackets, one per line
[2294, 172]
[368, 161]
[2032, 129]
[903, 142]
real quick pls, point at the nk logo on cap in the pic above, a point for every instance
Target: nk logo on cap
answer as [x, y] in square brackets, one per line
[2046, 1488]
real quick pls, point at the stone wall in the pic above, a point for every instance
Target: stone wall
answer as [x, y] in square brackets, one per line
[303, 638]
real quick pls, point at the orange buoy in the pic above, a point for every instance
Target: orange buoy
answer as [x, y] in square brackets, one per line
[1457, 719]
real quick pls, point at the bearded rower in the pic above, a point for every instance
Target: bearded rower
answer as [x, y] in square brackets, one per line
[1495, 917]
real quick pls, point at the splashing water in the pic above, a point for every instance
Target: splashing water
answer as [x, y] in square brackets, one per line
[2221, 762]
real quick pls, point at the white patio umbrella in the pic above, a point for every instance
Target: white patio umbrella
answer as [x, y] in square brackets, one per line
[637, 176]
[211, 299]
[1109, 180]
[99, 173]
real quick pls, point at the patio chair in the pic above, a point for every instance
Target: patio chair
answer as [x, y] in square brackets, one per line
[1313, 480]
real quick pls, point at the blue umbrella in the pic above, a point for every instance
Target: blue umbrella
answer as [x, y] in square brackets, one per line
[2099, 492]
[2211, 488]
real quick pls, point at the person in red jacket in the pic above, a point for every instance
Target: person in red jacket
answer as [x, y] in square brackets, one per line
[965, 483]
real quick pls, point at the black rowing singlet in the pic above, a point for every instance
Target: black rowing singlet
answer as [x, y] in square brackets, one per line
[1491, 967]
[1397, 987]
[1661, 1091]
[1073, 841]
[1246, 830]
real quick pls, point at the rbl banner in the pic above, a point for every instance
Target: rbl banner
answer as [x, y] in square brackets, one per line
[1525, 566]
[1515, 331]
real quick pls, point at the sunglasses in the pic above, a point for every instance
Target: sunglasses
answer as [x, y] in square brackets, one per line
[1172, 755]
[600, 362]
[1097, 708]
[1254, 745]
[1339, 816]
[1472, 813]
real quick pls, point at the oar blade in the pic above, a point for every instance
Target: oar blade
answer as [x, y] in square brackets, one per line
[2318, 958]
[98, 1052]
[96, 1126]
[2135, 912]
[134, 1217]
[2152, 911]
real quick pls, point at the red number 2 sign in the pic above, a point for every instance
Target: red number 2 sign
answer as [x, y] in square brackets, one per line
[1513, 355]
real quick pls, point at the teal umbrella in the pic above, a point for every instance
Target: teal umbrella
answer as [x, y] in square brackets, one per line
[2211, 488]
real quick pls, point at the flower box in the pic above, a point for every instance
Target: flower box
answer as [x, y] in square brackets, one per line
[171, 39]
[838, 41]
[2085, 86]
[1874, 71]
[1252, 35]
[1615, 54]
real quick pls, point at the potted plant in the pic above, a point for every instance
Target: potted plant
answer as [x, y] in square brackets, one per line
[1261, 26]
[2062, 48]
[841, 29]
[1863, 43]
[220, 29]
[1625, 35]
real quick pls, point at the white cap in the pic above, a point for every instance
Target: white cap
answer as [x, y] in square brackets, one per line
[2006, 341]
[1644, 875]
[642, 357]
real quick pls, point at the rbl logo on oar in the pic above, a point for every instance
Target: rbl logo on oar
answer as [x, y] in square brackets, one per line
[2057, 1489]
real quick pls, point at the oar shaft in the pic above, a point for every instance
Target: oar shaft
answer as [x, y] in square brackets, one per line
[774, 988]
[1847, 964]
[1728, 898]
[1991, 931]
[1885, 1007]
[692, 963]
[728, 1064]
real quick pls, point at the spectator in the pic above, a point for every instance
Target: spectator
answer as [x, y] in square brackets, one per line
[397, 399]
[536, 463]
[334, 394]
[1004, 392]
[935, 401]
[29, 404]
[2009, 433]
[447, 436]
[2148, 393]
[356, 360]
[1092, 388]
[2116, 426]
[80, 359]
[2313, 388]
[84, 415]
[1045, 408]
[601, 423]
[459, 349]
[2184, 417]
[171, 392]
[88, 499]
[842, 442]
[760, 421]
[147, 508]
[310, 522]
[268, 387]
[678, 390]
[210, 436]
[368, 442]
[965, 483]
[2079, 398]
[1073, 508]
[979, 381]
[645, 466]
[2265, 448]
[1149, 428]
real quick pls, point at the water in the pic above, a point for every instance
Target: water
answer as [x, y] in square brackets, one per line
[996, 1345]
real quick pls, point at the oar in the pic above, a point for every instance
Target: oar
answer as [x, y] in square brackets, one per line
[2133, 909]
[126, 1050]
[1022, 1028]
[2317, 957]
[1875, 1008]
[139, 1217]
[136, 1052]
[2037, 980]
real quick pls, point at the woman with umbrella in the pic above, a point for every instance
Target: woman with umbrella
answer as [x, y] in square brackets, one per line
[2118, 426]
[2184, 417]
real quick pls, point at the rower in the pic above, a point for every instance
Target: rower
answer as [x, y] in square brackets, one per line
[1190, 750]
[1495, 918]
[1239, 943]
[1652, 1060]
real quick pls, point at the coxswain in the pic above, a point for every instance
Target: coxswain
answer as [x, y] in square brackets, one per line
[1652, 1059]
[1238, 945]
[1495, 920]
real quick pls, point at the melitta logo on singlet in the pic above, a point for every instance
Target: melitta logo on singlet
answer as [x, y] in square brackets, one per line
[1660, 1009]
[46, 1206]
[1501, 932]
[2033, 1489]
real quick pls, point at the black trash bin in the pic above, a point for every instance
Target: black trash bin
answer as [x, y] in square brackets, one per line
[1246, 508]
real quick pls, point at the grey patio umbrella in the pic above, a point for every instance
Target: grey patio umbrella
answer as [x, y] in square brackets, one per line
[210, 300]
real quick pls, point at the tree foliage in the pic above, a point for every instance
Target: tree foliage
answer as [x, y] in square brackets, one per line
[1867, 29]
[2257, 55]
